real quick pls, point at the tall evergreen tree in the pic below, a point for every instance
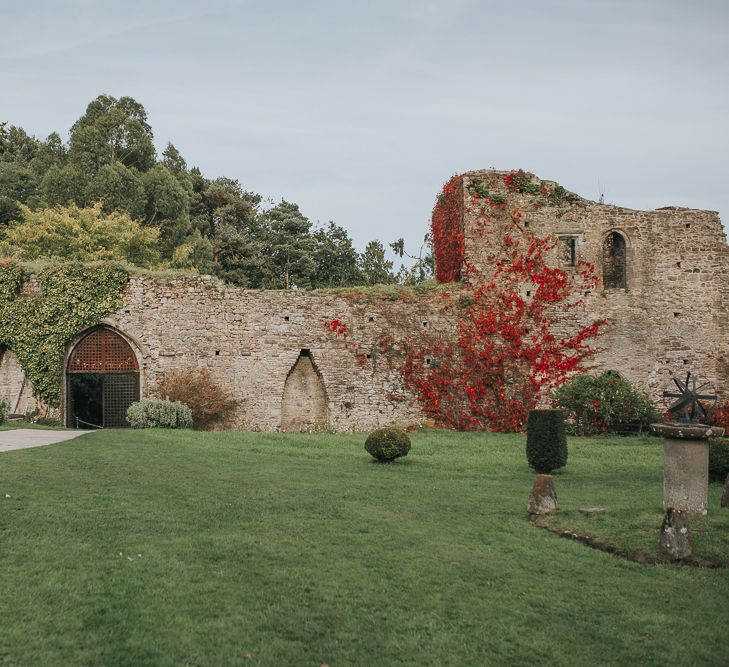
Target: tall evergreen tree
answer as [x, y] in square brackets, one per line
[375, 268]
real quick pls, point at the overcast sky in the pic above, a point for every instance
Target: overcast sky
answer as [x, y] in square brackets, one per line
[359, 111]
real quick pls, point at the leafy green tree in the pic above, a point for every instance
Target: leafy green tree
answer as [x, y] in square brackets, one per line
[16, 145]
[173, 160]
[84, 234]
[375, 268]
[112, 131]
[196, 252]
[18, 184]
[289, 244]
[118, 188]
[167, 206]
[422, 267]
[335, 257]
[50, 152]
[63, 185]
[228, 216]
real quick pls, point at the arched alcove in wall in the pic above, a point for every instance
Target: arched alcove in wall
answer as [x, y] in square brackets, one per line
[304, 404]
[102, 380]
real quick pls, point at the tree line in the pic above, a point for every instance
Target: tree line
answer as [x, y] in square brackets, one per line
[105, 194]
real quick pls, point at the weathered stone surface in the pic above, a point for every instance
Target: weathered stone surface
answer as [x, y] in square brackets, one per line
[304, 404]
[271, 351]
[686, 475]
[675, 538]
[673, 312]
[543, 497]
[674, 309]
[592, 511]
[15, 389]
[687, 431]
[725, 496]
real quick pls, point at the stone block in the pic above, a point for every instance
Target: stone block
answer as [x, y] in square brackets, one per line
[675, 538]
[543, 497]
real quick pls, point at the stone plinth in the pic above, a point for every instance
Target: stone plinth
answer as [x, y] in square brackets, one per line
[686, 465]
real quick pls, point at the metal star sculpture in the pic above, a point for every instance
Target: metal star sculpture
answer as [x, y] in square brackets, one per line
[689, 396]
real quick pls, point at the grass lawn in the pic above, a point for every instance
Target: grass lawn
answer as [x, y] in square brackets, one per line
[180, 548]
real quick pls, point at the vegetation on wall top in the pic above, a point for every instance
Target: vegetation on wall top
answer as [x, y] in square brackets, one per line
[38, 327]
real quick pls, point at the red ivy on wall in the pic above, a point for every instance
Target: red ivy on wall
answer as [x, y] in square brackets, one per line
[510, 347]
[514, 335]
[447, 232]
[511, 344]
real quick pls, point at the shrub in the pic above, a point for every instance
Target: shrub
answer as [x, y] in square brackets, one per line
[604, 403]
[718, 415]
[152, 413]
[196, 388]
[4, 411]
[718, 459]
[546, 447]
[387, 444]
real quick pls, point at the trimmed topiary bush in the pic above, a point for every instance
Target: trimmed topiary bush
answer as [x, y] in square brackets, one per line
[605, 403]
[718, 459]
[388, 444]
[546, 447]
[153, 413]
[4, 411]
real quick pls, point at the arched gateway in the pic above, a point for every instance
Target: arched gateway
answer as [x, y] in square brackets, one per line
[102, 381]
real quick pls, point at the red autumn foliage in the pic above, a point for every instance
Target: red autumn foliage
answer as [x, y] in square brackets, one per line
[211, 405]
[447, 232]
[508, 351]
[509, 348]
[514, 337]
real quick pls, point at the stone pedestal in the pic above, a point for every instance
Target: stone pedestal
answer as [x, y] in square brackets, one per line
[686, 465]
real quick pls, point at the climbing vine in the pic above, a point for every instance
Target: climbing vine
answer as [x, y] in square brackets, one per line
[38, 327]
[447, 232]
[515, 335]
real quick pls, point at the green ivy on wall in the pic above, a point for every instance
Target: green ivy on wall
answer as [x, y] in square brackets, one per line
[37, 328]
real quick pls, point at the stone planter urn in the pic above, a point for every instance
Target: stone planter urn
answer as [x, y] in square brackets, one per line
[686, 465]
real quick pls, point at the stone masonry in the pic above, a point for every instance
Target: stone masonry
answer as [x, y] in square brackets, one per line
[673, 310]
[270, 350]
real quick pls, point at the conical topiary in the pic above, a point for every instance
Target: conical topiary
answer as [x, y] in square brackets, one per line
[546, 441]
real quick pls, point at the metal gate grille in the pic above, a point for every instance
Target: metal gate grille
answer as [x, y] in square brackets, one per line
[102, 351]
[103, 381]
[120, 390]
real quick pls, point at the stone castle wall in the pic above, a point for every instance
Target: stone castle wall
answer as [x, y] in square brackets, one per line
[673, 312]
[252, 341]
[271, 351]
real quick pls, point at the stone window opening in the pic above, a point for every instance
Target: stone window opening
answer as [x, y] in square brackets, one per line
[614, 261]
[568, 250]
